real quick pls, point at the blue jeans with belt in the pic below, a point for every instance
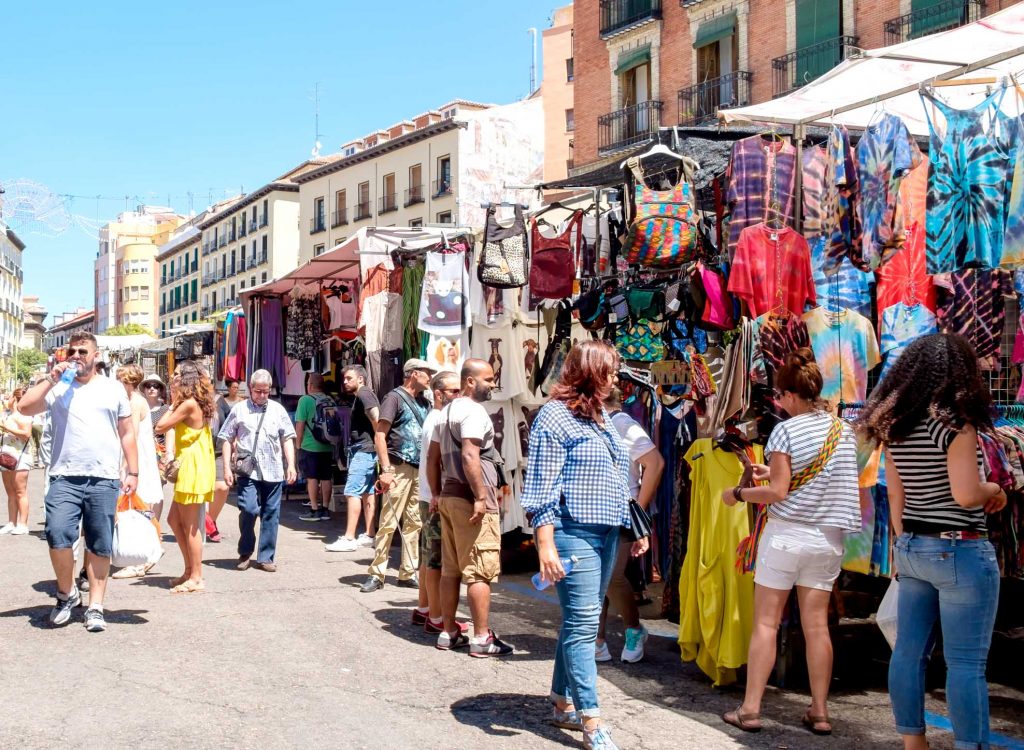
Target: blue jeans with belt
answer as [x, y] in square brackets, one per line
[260, 500]
[581, 594]
[957, 583]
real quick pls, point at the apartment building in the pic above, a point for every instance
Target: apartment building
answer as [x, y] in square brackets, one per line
[557, 90]
[178, 261]
[436, 168]
[251, 241]
[125, 268]
[645, 64]
[33, 328]
[65, 326]
[11, 277]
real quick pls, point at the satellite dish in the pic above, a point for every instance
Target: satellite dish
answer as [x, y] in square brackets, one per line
[316, 149]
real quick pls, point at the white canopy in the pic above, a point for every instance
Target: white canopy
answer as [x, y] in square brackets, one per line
[889, 78]
[343, 260]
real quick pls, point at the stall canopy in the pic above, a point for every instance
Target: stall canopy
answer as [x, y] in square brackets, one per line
[342, 261]
[889, 78]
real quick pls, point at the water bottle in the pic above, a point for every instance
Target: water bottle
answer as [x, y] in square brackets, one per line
[69, 374]
[567, 562]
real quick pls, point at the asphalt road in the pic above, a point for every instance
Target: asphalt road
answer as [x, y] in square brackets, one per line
[300, 658]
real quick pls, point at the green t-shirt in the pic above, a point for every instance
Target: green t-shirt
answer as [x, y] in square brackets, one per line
[305, 412]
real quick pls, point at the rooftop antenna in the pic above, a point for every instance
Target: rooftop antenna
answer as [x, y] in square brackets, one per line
[316, 109]
[533, 64]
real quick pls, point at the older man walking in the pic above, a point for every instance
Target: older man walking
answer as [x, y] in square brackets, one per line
[259, 454]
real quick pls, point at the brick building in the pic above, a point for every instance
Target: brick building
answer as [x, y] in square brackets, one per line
[645, 64]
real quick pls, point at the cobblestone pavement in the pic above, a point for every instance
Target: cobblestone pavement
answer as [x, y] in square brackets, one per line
[300, 658]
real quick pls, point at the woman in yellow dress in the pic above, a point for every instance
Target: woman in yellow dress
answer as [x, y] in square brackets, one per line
[192, 409]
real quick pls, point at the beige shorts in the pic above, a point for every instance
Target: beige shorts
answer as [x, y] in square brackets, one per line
[469, 550]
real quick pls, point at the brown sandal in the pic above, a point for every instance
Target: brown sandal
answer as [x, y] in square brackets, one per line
[812, 722]
[742, 721]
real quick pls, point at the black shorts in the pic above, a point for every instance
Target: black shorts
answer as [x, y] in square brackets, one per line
[316, 465]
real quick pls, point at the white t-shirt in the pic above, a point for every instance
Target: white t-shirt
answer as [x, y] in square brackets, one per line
[467, 419]
[428, 434]
[83, 421]
[637, 443]
[832, 497]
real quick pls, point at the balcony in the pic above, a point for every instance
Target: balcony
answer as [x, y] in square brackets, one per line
[388, 203]
[263, 258]
[163, 309]
[942, 16]
[223, 240]
[701, 103]
[231, 235]
[339, 217]
[414, 195]
[205, 312]
[317, 225]
[362, 211]
[241, 228]
[231, 270]
[252, 262]
[252, 225]
[209, 278]
[441, 187]
[241, 264]
[619, 15]
[628, 126]
[264, 220]
[792, 71]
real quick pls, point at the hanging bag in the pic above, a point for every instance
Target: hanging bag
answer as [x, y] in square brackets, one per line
[646, 302]
[504, 260]
[664, 229]
[640, 341]
[554, 260]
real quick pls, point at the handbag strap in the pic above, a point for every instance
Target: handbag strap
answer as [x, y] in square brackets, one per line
[828, 449]
[255, 441]
[407, 399]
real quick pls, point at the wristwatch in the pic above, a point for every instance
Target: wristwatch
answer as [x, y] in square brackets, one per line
[50, 379]
[387, 470]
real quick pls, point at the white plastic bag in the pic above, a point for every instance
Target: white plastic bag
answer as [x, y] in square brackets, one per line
[887, 611]
[135, 540]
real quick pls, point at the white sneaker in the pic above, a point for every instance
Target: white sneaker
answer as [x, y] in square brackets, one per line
[633, 651]
[7, 528]
[342, 544]
[364, 540]
[19, 530]
[601, 652]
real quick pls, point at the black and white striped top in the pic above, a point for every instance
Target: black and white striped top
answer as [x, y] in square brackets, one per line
[921, 462]
[831, 498]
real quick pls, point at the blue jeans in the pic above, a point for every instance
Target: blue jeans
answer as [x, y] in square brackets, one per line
[581, 594]
[86, 500]
[956, 583]
[261, 500]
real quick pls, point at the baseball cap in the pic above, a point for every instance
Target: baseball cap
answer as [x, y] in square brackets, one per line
[417, 364]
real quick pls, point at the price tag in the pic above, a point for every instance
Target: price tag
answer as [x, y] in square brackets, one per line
[673, 306]
[613, 318]
[575, 286]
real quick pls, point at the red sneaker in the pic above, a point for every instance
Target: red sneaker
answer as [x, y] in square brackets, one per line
[420, 618]
[430, 627]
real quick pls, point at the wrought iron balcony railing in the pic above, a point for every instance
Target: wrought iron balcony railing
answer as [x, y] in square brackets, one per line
[628, 126]
[942, 16]
[619, 15]
[793, 70]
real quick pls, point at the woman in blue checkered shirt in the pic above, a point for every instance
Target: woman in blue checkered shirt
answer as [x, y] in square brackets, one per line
[577, 495]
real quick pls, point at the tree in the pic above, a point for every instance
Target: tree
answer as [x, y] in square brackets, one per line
[20, 366]
[128, 329]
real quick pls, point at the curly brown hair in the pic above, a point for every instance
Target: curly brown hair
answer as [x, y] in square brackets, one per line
[936, 376]
[191, 381]
[583, 384]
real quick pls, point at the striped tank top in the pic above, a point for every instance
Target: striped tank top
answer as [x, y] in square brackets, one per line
[921, 462]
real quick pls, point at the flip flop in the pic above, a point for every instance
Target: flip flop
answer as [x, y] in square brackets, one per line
[742, 721]
[812, 722]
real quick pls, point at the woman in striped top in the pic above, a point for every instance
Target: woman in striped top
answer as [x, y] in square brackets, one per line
[812, 500]
[928, 411]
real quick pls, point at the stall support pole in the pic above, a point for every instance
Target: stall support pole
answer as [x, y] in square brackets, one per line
[798, 193]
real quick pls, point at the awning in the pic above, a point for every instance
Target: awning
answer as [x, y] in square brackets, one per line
[715, 29]
[633, 58]
[856, 91]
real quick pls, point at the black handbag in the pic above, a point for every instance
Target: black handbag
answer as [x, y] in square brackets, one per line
[639, 521]
[243, 462]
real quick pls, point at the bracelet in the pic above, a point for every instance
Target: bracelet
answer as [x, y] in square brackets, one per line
[737, 492]
[388, 470]
[132, 474]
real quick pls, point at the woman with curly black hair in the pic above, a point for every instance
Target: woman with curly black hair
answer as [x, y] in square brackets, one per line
[928, 411]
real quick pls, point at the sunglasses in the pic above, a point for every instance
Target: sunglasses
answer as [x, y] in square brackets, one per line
[79, 352]
[151, 387]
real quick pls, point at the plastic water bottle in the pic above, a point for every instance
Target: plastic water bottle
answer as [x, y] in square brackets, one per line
[69, 374]
[567, 562]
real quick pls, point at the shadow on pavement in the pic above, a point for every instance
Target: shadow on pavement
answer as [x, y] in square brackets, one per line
[511, 714]
[38, 617]
[223, 563]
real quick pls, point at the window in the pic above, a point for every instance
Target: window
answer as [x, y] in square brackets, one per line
[569, 65]
[387, 198]
[570, 120]
[817, 21]
[340, 209]
[144, 291]
[415, 222]
[206, 300]
[264, 280]
[194, 316]
[195, 290]
[318, 215]
[241, 285]
[252, 281]
[415, 194]
[445, 217]
[443, 185]
[264, 247]
[266, 212]
[363, 209]
[232, 292]
[184, 294]
[233, 259]
[318, 250]
[134, 293]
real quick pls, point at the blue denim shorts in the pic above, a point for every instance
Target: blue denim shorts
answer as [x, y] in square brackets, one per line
[88, 500]
[362, 474]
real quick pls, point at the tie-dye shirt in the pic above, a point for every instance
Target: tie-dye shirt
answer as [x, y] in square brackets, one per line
[772, 265]
[848, 287]
[904, 277]
[885, 154]
[972, 303]
[901, 324]
[846, 350]
[760, 171]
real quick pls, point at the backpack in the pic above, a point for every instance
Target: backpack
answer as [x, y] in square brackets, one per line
[325, 424]
[504, 259]
[554, 260]
[664, 229]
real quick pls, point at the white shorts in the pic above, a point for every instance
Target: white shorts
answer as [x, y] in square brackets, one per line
[794, 554]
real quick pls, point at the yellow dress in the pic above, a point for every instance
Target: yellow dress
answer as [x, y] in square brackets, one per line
[197, 469]
[716, 599]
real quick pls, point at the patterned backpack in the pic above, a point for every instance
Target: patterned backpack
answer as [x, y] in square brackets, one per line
[664, 229]
[504, 261]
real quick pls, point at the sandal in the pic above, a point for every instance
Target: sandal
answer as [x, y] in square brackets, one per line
[742, 721]
[175, 582]
[189, 587]
[812, 723]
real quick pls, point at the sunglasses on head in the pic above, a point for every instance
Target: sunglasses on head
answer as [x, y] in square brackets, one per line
[79, 352]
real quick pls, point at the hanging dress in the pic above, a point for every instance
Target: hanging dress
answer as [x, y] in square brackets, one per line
[966, 186]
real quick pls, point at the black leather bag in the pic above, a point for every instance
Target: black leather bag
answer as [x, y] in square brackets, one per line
[639, 521]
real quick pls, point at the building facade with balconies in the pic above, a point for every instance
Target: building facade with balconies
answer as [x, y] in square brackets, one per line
[178, 261]
[436, 168]
[645, 64]
[65, 325]
[12, 315]
[34, 329]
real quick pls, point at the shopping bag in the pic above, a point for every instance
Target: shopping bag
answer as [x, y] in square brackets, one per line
[887, 610]
[136, 540]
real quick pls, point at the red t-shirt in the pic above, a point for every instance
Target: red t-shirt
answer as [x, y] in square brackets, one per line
[904, 277]
[755, 278]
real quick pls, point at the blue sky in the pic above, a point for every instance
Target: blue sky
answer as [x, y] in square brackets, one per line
[156, 100]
